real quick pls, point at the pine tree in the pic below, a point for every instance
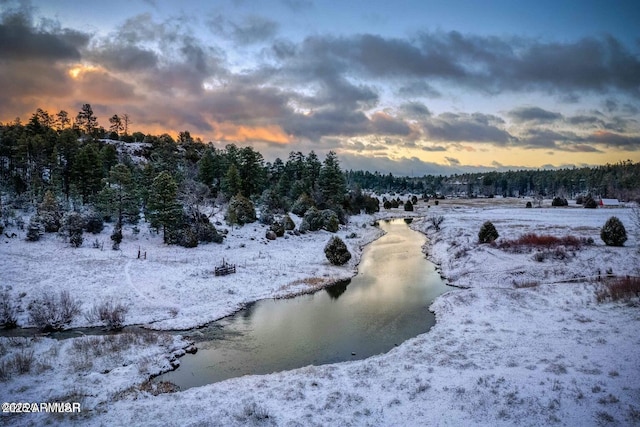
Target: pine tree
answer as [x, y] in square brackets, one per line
[232, 183]
[86, 120]
[163, 209]
[118, 197]
[331, 181]
[87, 172]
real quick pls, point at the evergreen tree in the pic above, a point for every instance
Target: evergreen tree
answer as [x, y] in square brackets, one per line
[331, 182]
[251, 170]
[206, 169]
[163, 209]
[87, 172]
[118, 197]
[232, 183]
[613, 233]
[86, 120]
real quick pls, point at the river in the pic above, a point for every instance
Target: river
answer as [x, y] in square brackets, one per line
[385, 304]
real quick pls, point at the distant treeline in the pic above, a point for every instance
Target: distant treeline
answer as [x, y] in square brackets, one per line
[620, 180]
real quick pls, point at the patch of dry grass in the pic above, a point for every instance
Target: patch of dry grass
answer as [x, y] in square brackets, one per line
[544, 241]
[619, 288]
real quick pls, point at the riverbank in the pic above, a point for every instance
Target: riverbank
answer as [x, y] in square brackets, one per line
[518, 346]
[174, 288]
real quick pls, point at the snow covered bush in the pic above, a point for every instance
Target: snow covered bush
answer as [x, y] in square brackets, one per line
[73, 227]
[35, 229]
[313, 218]
[559, 201]
[94, 223]
[185, 237]
[7, 311]
[50, 213]
[51, 312]
[528, 205]
[613, 233]
[337, 252]
[408, 206]
[109, 313]
[330, 220]
[208, 233]
[589, 202]
[488, 233]
[303, 204]
[240, 211]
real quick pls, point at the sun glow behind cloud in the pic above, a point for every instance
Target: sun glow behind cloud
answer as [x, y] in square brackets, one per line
[76, 70]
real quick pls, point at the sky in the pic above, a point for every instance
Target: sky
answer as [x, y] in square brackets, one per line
[407, 87]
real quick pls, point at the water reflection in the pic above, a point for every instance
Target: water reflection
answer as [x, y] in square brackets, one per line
[384, 305]
[338, 289]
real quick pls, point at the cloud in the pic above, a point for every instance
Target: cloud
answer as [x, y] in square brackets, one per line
[433, 148]
[453, 161]
[21, 40]
[386, 125]
[467, 128]
[249, 30]
[631, 143]
[533, 114]
[415, 110]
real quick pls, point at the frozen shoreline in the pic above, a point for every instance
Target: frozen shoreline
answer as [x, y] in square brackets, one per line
[513, 347]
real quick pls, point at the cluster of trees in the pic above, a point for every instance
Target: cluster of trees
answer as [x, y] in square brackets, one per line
[620, 180]
[59, 166]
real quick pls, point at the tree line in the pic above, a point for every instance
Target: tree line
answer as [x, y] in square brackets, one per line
[176, 184]
[620, 180]
[57, 165]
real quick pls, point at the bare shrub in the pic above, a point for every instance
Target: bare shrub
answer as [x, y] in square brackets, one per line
[51, 312]
[532, 240]
[435, 221]
[619, 288]
[253, 413]
[109, 313]
[7, 311]
[22, 361]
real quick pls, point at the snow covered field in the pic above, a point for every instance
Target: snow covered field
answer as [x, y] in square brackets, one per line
[524, 343]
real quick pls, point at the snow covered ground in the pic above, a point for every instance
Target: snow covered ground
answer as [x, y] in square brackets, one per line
[525, 342]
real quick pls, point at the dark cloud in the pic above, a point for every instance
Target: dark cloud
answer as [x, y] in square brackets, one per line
[415, 110]
[486, 64]
[433, 148]
[386, 125]
[123, 57]
[626, 142]
[465, 127]
[533, 114]
[453, 161]
[21, 40]
[542, 138]
[418, 89]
